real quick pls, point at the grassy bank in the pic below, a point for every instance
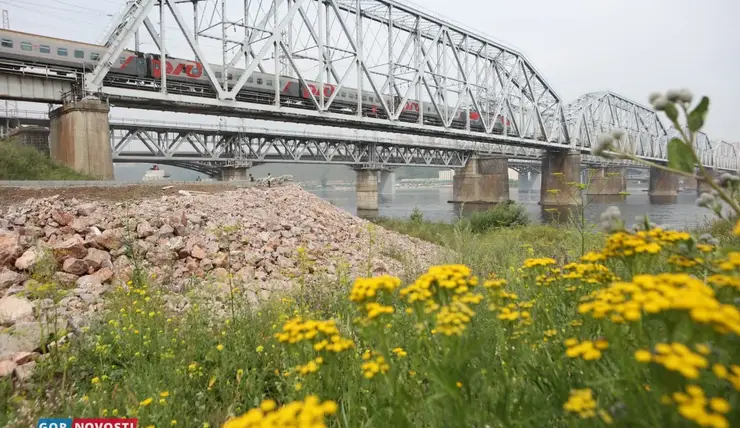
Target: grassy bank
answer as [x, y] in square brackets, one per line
[513, 347]
[18, 162]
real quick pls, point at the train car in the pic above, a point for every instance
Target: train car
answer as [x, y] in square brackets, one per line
[259, 87]
[41, 50]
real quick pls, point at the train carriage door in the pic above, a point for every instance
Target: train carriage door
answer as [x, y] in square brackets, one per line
[140, 64]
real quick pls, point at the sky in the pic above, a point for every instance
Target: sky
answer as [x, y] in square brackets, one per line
[631, 47]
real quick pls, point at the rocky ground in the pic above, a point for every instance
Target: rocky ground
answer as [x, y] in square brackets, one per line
[187, 240]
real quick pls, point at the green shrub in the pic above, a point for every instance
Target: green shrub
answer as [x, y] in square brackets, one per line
[19, 162]
[502, 215]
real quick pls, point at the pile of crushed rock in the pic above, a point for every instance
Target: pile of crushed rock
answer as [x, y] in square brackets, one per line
[251, 236]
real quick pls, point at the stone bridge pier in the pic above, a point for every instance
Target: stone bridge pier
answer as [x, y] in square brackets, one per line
[79, 137]
[366, 187]
[607, 181]
[662, 183]
[234, 173]
[701, 184]
[483, 180]
[561, 177]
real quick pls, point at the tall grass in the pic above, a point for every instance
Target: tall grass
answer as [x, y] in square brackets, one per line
[19, 162]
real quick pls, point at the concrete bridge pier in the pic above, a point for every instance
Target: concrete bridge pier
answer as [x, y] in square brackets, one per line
[367, 189]
[690, 184]
[483, 180]
[387, 183]
[561, 174]
[79, 137]
[662, 183]
[701, 184]
[607, 181]
[234, 173]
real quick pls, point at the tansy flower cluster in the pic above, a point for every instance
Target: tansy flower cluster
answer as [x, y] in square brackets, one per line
[447, 291]
[660, 293]
[587, 349]
[541, 262]
[695, 406]
[374, 364]
[323, 334]
[730, 263]
[624, 244]
[684, 261]
[731, 375]
[309, 413]
[588, 273]
[720, 281]
[675, 357]
[366, 291]
[310, 367]
[582, 403]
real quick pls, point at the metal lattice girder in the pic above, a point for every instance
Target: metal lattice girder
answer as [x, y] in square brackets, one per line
[150, 141]
[599, 112]
[396, 54]
[718, 155]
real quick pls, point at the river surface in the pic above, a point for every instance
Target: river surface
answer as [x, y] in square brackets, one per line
[679, 213]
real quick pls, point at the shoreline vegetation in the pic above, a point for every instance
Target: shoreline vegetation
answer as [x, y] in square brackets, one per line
[506, 324]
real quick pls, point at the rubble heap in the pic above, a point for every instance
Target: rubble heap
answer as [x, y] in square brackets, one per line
[252, 236]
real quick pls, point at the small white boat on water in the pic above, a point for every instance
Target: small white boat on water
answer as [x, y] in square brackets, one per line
[155, 173]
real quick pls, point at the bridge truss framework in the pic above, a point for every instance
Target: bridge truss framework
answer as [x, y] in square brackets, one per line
[392, 50]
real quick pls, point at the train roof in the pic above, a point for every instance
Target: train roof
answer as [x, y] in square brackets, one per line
[53, 38]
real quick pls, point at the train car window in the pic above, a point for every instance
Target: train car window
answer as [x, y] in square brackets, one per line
[269, 83]
[343, 94]
[259, 81]
[94, 56]
[44, 49]
[62, 51]
[218, 75]
[79, 53]
[26, 46]
[364, 98]
[250, 79]
[6, 43]
[230, 76]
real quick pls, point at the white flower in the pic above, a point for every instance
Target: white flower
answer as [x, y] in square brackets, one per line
[617, 134]
[673, 95]
[654, 96]
[603, 143]
[705, 200]
[686, 95]
[660, 103]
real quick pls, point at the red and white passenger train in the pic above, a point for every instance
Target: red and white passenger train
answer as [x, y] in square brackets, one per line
[141, 68]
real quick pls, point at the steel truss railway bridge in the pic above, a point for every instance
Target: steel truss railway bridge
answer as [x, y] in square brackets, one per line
[208, 148]
[396, 52]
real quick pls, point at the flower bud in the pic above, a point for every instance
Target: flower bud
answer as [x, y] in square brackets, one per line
[617, 134]
[660, 103]
[685, 96]
[603, 143]
[705, 200]
[727, 179]
[704, 237]
[654, 96]
[673, 95]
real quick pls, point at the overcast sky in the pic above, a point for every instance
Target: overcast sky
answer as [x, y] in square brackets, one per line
[631, 47]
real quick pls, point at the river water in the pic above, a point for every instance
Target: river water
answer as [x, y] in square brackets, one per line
[680, 212]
